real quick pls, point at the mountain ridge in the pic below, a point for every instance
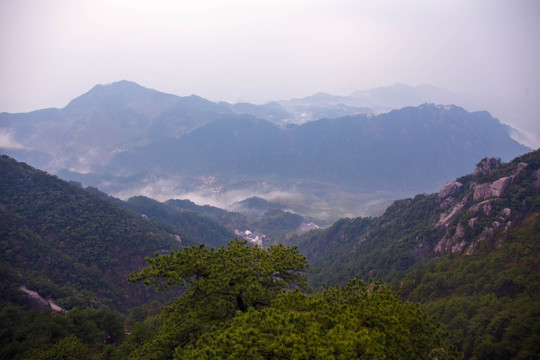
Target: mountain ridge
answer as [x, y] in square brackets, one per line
[479, 205]
[129, 140]
[77, 248]
[335, 150]
[468, 253]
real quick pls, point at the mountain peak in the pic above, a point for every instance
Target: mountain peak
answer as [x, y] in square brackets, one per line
[116, 95]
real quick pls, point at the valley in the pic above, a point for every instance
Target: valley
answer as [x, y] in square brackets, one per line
[128, 140]
[131, 235]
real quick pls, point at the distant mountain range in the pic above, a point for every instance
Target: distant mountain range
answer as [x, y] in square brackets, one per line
[404, 151]
[129, 140]
[377, 100]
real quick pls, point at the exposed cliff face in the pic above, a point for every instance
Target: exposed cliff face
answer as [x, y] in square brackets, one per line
[537, 179]
[486, 165]
[446, 193]
[35, 301]
[489, 190]
[473, 216]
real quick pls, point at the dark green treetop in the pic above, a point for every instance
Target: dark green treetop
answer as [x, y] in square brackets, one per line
[357, 321]
[220, 284]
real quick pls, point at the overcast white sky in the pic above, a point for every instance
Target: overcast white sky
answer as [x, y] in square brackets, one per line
[262, 50]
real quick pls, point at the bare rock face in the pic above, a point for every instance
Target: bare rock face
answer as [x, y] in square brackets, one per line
[502, 224]
[445, 196]
[494, 189]
[486, 206]
[449, 190]
[37, 302]
[454, 243]
[498, 187]
[446, 218]
[486, 165]
[480, 204]
[537, 177]
[520, 167]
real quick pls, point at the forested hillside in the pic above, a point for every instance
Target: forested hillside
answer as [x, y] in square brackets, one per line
[73, 251]
[70, 245]
[469, 253]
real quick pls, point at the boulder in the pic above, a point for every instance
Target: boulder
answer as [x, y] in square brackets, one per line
[453, 244]
[449, 190]
[494, 189]
[486, 165]
[486, 206]
[446, 218]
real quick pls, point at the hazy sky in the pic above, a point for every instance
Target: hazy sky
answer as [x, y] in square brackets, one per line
[256, 50]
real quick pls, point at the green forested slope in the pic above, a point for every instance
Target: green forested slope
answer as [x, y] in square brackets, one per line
[70, 245]
[201, 228]
[470, 254]
[489, 301]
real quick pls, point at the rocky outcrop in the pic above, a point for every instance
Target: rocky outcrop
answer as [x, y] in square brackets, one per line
[35, 301]
[486, 165]
[537, 179]
[449, 190]
[452, 243]
[480, 201]
[486, 207]
[500, 225]
[498, 187]
[494, 189]
[457, 242]
[446, 194]
[447, 217]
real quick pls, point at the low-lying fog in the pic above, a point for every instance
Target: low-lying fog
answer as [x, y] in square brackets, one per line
[321, 202]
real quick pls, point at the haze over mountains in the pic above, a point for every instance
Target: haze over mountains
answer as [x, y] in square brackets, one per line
[468, 254]
[323, 155]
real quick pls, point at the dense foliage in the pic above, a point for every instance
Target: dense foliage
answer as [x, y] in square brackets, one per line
[32, 335]
[238, 305]
[358, 321]
[489, 302]
[70, 245]
[487, 295]
[221, 282]
[239, 301]
[202, 229]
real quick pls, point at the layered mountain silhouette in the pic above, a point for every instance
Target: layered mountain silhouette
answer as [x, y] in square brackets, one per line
[406, 150]
[122, 135]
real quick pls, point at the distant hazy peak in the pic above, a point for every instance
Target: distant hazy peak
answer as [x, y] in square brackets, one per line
[118, 93]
